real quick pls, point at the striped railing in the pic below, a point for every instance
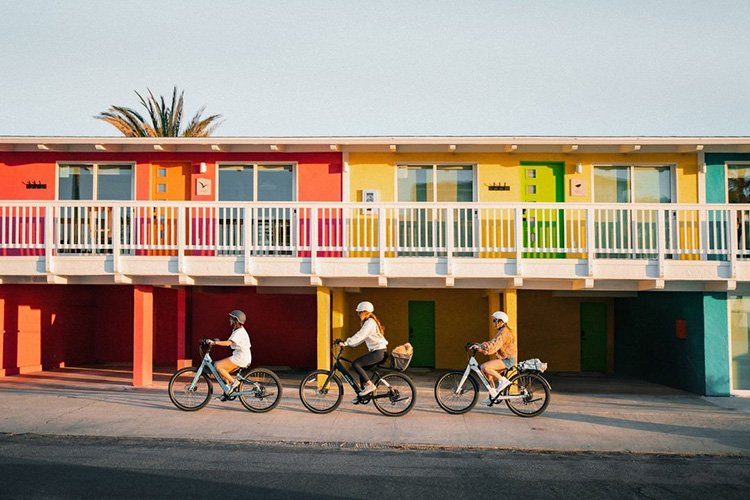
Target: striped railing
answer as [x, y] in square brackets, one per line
[589, 231]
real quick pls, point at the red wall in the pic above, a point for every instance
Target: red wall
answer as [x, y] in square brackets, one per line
[318, 174]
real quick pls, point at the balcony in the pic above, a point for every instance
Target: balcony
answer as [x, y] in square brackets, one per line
[563, 246]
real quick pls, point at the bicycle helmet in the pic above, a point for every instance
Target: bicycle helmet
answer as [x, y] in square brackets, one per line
[239, 316]
[500, 315]
[365, 306]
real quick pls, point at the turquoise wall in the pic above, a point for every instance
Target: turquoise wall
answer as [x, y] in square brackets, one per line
[716, 176]
[646, 344]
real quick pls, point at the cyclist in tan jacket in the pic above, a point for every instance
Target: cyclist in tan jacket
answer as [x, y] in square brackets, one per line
[505, 348]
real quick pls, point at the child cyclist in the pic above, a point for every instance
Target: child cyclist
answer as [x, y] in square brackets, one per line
[239, 341]
[371, 332]
[504, 346]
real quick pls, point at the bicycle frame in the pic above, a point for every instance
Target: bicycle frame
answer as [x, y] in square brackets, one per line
[339, 367]
[209, 364]
[473, 366]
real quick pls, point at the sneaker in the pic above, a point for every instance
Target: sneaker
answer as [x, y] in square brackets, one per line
[502, 384]
[235, 385]
[355, 401]
[369, 387]
[487, 401]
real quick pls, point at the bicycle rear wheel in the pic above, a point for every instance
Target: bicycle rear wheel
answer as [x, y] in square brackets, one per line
[454, 399]
[535, 391]
[184, 394]
[260, 390]
[394, 395]
[321, 391]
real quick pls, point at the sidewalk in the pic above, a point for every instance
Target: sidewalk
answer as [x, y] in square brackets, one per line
[600, 414]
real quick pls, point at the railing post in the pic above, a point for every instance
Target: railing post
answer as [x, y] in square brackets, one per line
[590, 240]
[116, 243]
[381, 240]
[662, 239]
[518, 219]
[732, 242]
[313, 240]
[181, 239]
[703, 233]
[49, 237]
[449, 240]
[247, 236]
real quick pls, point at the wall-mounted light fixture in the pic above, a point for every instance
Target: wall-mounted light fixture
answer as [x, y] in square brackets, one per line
[579, 168]
[158, 147]
[203, 167]
[43, 147]
[215, 147]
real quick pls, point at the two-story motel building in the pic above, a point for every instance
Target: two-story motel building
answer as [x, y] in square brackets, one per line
[611, 254]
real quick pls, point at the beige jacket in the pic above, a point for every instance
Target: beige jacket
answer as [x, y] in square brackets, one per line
[503, 344]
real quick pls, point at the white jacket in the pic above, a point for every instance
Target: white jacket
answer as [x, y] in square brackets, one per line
[369, 334]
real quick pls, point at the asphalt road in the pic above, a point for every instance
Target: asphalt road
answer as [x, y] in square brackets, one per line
[33, 466]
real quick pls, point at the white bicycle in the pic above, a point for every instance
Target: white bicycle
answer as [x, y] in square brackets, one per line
[528, 394]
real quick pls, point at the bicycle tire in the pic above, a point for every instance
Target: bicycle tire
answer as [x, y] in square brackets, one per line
[263, 397]
[448, 396]
[396, 398]
[318, 399]
[189, 400]
[538, 390]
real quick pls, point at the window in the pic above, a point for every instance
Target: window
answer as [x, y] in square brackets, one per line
[435, 183]
[249, 182]
[633, 184]
[95, 182]
[738, 183]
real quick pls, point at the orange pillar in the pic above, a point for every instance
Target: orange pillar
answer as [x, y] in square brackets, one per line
[143, 335]
[183, 357]
[2, 335]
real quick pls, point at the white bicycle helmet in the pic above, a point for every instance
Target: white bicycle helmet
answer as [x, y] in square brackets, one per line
[365, 306]
[239, 316]
[501, 316]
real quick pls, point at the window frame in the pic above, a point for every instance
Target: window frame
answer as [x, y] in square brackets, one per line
[255, 165]
[631, 167]
[727, 164]
[435, 166]
[95, 175]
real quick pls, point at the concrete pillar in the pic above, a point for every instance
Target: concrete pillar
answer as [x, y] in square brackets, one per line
[510, 306]
[337, 313]
[143, 335]
[324, 328]
[183, 350]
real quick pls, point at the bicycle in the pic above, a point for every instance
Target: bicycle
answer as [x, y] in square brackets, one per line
[528, 394]
[190, 388]
[321, 391]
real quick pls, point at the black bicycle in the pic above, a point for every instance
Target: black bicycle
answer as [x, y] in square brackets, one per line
[321, 391]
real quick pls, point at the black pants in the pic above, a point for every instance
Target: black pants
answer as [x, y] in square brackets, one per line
[372, 358]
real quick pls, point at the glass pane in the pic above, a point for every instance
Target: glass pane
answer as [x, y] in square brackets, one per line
[115, 182]
[740, 342]
[275, 183]
[235, 183]
[455, 183]
[738, 184]
[76, 182]
[652, 184]
[415, 183]
[611, 185]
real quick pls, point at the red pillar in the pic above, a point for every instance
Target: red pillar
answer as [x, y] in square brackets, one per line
[2, 335]
[143, 335]
[183, 357]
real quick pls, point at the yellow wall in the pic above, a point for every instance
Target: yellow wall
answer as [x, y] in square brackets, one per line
[377, 171]
[550, 329]
[460, 317]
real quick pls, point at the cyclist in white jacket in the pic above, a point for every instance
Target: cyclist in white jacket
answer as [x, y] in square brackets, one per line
[371, 333]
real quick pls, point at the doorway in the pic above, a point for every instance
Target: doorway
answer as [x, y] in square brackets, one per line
[422, 332]
[593, 337]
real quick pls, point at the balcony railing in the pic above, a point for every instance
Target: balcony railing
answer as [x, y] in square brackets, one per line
[448, 231]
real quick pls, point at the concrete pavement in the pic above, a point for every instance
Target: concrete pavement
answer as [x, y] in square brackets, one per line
[595, 414]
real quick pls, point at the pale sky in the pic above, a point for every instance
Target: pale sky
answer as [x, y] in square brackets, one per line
[361, 68]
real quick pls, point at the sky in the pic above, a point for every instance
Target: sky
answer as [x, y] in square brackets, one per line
[383, 68]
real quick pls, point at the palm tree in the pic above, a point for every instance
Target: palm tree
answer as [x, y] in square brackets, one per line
[165, 119]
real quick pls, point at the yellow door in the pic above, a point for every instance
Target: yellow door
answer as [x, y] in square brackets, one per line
[169, 182]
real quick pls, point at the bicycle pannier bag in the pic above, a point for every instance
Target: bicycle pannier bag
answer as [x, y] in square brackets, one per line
[401, 357]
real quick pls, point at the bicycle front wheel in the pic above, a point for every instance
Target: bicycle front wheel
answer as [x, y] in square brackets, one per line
[260, 390]
[454, 399]
[321, 391]
[188, 396]
[394, 395]
[534, 394]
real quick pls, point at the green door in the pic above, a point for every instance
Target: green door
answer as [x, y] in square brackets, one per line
[593, 337]
[544, 229]
[422, 332]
